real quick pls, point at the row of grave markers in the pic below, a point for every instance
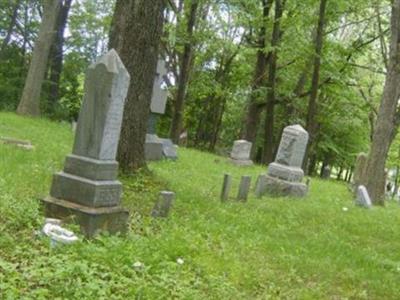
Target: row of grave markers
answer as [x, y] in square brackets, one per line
[88, 187]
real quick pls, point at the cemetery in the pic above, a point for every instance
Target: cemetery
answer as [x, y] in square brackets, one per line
[148, 152]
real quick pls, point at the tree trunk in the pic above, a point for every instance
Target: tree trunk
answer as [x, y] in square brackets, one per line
[56, 55]
[255, 106]
[269, 116]
[135, 34]
[312, 103]
[10, 27]
[185, 66]
[30, 100]
[385, 123]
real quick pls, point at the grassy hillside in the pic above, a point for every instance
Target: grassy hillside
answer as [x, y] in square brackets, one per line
[264, 249]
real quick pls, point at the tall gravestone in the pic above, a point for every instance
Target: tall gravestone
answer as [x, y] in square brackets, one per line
[88, 187]
[284, 177]
[155, 147]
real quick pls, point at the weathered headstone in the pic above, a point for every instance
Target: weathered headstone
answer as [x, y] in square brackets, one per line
[240, 154]
[260, 185]
[244, 188]
[163, 204]
[226, 187]
[156, 148]
[363, 198]
[284, 177]
[359, 169]
[88, 187]
[326, 172]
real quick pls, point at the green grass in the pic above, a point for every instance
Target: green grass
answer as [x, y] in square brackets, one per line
[264, 249]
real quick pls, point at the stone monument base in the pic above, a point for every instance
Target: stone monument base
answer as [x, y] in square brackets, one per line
[241, 162]
[280, 188]
[92, 220]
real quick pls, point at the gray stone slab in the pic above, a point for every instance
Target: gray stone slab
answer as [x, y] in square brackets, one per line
[92, 193]
[363, 198]
[170, 150]
[280, 188]
[244, 188]
[226, 187]
[288, 173]
[241, 150]
[292, 146]
[90, 168]
[163, 204]
[260, 187]
[100, 118]
[241, 162]
[23, 144]
[153, 148]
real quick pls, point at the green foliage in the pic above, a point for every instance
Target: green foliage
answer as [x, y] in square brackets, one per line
[264, 249]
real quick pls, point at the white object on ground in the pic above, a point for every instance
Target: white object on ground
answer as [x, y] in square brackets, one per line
[180, 261]
[59, 234]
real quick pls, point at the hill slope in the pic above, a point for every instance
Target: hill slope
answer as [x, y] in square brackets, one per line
[266, 248]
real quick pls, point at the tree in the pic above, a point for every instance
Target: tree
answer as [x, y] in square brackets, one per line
[56, 54]
[271, 85]
[135, 34]
[11, 26]
[184, 72]
[30, 100]
[312, 103]
[387, 118]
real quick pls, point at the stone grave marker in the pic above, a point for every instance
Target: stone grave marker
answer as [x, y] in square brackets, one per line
[27, 145]
[226, 187]
[240, 154]
[88, 187]
[260, 185]
[156, 148]
[326, 172]
[359, 169]
[244, 188]
[363, 198]
[284, 177]
[163, 204]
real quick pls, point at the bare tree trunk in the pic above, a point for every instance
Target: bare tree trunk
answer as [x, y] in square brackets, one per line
[185, 66]
[135, 34]
[312, 103]
[385, 123]
[30, 100]
[271, 85]
[56, 54]
[10, 27]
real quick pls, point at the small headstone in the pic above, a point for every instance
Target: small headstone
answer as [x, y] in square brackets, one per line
[326, 172]
[359, 168]
[244, 188]
[226, 187]
[88, 187]
[260, 185]
[74, 124]
[240, 154]
[363, 198]
[27, 145]
[163, 204]
[285, 174]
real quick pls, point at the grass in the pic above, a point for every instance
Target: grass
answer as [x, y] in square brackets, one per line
[270, 248]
